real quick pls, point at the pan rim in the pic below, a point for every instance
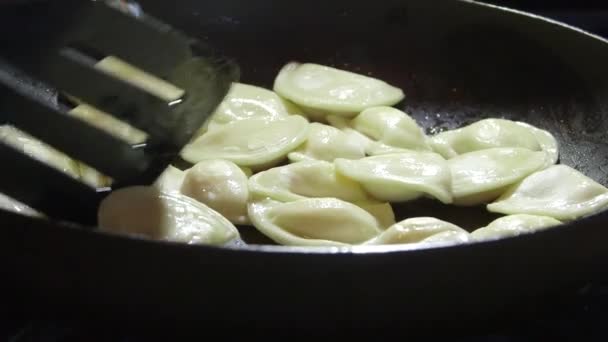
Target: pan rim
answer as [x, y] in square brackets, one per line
[537, 17]
[390, 249]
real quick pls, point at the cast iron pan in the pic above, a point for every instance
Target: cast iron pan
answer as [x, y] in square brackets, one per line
[458, 62]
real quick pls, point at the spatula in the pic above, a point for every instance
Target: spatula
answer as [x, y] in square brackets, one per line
[141, 72]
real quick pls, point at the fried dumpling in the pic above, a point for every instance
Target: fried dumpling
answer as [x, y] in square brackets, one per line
[513, 225]
[221, 185]
[170, 180]
[316, 179]
[148, 212]
[559, 191]
[327, 143]
[313, 222]
[400, 177]
[491, 133]
[391, 128]
[382, 211]
[325, 90]
[482, 176]
[309, 178]
[245, 101]
[421, 231]
[344, 124]
[250, 142]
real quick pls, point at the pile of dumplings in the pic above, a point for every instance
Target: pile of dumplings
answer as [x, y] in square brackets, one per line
[321, 159]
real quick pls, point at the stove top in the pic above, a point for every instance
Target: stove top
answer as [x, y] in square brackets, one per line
[579, 316]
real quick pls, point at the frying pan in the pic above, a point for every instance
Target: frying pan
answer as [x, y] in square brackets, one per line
[458, 61]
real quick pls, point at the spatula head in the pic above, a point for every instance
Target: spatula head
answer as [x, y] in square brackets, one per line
[58, 45]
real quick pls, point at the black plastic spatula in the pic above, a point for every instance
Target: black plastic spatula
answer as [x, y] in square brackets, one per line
[138, 70]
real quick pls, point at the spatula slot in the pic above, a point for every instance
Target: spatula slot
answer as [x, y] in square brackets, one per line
[54, 127]
[50, 194]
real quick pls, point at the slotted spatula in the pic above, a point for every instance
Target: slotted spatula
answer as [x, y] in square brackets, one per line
[62, 50]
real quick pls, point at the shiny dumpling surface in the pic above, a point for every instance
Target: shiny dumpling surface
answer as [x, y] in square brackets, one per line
[392, 127]
[381, 211]
[316, 179]
[313, 222]
[327, 143]
[170, 180]
[249, 142]
[308, 178]
[422, 231]
[245, 101]
[491, 133]
[145, 211]
[221, 185]
[400, 177]
[323, 89]
[513, 225]
[559, 191]
[344, 124]
[481, 176]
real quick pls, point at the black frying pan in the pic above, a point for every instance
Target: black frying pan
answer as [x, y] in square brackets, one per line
[458, 62]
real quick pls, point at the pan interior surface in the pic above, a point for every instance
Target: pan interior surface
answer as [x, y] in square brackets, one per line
[457, 62]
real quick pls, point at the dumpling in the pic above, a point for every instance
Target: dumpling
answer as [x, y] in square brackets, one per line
[382, 211]
[313, 222]
[245, 101]
[221, 185]
[316, 179]
[559, 191]
[400, 177]
[327, 143]
[344, 124]
[323, 90]
[379, 127]
[421, 231]
[391, 127]
[145, 211]
[309, 178]
[513, 225]
[250, 142]
[170, 180]
[247, 171]
[377, 148]
[490, 133]
[339, 122]
[482, 176]
[38, 150]
[10, 204]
